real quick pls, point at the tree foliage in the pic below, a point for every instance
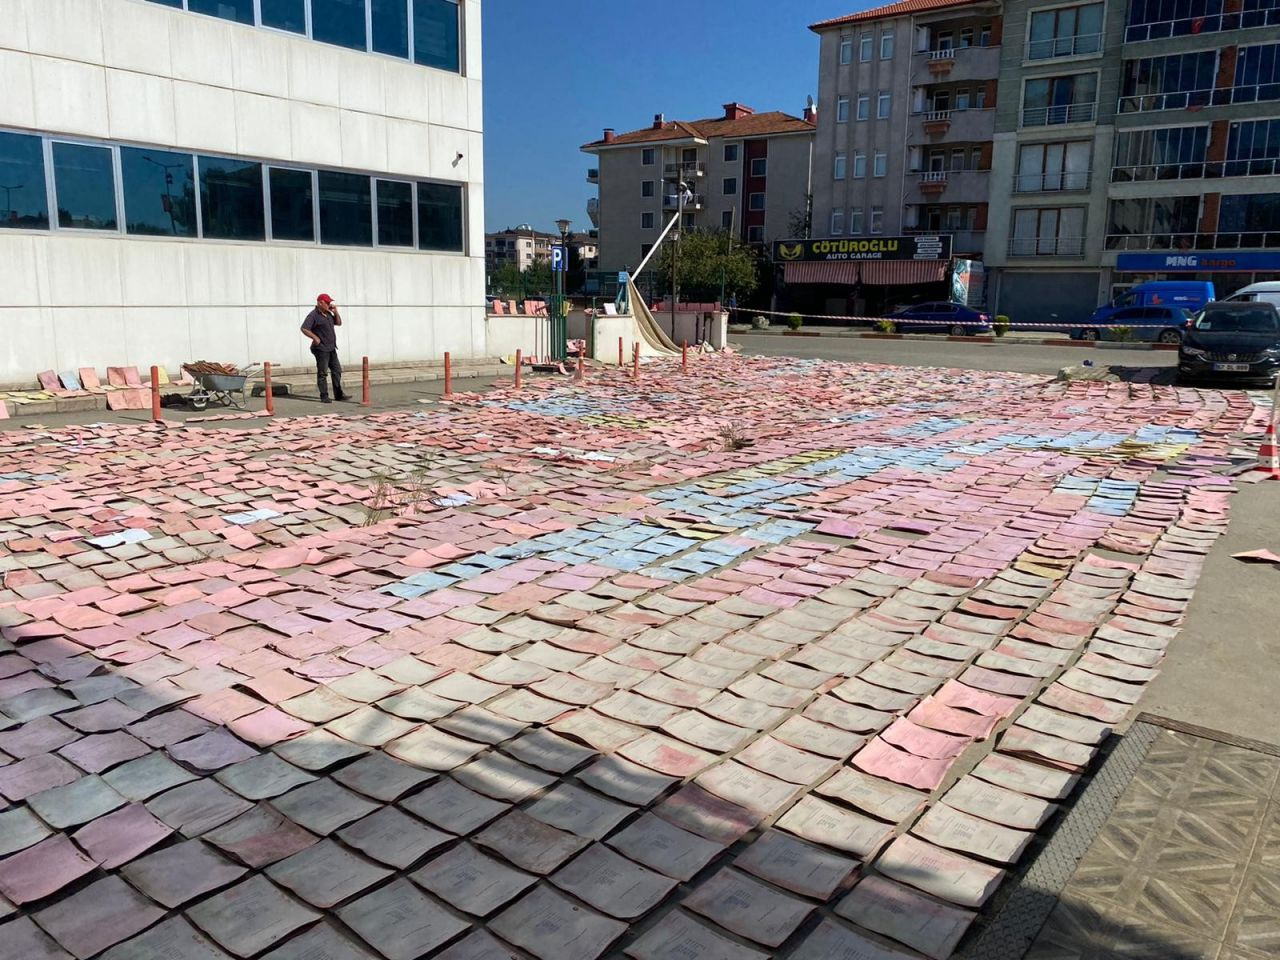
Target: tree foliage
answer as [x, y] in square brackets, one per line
[507, 280]
[706, 265]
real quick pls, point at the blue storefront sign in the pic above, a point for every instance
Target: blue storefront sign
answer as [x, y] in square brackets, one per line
[1217, 260]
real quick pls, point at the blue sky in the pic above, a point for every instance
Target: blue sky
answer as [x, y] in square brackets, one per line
[557, 72]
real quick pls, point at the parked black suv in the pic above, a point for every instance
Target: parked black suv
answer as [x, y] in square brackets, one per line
[1232, 340]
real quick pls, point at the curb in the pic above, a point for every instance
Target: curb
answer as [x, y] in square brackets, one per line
[987, 341]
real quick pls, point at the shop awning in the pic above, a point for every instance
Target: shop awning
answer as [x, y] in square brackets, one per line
[879, 273]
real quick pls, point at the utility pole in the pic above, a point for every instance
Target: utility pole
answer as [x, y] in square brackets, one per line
[675, 251]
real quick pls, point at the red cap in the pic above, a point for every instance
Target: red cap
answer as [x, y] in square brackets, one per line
[324, 298]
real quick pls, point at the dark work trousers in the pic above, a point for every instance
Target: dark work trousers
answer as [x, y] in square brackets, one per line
[327, 362]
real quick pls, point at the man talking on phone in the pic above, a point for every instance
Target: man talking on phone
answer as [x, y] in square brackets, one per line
[319, 329]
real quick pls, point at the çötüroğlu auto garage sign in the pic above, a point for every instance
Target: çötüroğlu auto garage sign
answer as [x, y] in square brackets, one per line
[838, 249]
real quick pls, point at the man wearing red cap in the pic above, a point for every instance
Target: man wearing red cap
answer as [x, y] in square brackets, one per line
[319, 329]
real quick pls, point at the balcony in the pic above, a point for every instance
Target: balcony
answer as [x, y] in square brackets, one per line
[1046, 246]
[956, 65]
[593, 176]
[1062, 181]
[684, 170]
[1060, 114]
[1193, 100]
[1057, 48]
[1197, 170]
[1251, 240]
[672, 202]
[957, 126]
[593, 211]
[1196, 26]
[948, 186]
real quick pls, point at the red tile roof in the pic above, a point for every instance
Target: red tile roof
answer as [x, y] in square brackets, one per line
[901, 9]
[773, 123]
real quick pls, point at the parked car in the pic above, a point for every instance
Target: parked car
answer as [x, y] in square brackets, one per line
[1162, 324]
[1188, 294]
[1268, 291]
[952, 318]
[1237, 340]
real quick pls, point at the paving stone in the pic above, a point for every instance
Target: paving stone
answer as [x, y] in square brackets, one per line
[97, 917]
[251, 916]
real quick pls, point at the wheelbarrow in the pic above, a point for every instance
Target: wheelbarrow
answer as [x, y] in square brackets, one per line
[219, 388]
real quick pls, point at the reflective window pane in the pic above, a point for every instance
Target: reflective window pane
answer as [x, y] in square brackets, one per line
[240, 11]
[395, 213]
[346, 209]
[231, 199]
[391, 27]
[285, 15]
[85, 184]
[339, 22]
[159, 192]
[440, 217]
[24, 201]
[169, 3]
[435, 34]
[292, 205]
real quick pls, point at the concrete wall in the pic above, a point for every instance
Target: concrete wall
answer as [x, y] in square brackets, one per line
[136, 72]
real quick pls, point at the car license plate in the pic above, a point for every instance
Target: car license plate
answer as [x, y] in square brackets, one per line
[1231, 367]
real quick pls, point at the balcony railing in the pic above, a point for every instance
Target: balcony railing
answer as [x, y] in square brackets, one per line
[1264, 239]
[1046, 246]
[947, 53]
[1061, 113]
[937, 116]
[1197, 170]
[593, 175]
[933, 176]
[1084, 44]
[685, 168]
[694, 202]
[1198, 99]
[1189, 26]
[1057, 182]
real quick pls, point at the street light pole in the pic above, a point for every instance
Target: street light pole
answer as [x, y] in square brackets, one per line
[675, 249]
[560, 323]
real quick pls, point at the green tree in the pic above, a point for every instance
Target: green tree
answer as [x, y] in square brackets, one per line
[710, 261]
[508, 281]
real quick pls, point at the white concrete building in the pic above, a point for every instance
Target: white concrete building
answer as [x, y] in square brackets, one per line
[179, 179]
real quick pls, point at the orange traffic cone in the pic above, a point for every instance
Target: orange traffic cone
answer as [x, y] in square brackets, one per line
[1269, 454]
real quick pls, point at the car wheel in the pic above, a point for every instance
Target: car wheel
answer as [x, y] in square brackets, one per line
[1089, 334]
[1170, 336]
[957, 330]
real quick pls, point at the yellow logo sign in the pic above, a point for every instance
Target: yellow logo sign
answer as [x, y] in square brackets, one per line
[790, 251]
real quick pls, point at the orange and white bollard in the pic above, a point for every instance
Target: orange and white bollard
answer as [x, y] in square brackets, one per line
[519, 366]
[448, 375]
[635, 362]
[577, 371]
[156, 416]
[620, 360]
[364, 381]
[266, 386]
[1268, 452]
[684, 356]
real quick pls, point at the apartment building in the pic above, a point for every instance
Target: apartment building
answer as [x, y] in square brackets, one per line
[743, 171]
[522, 245]
[179, 179]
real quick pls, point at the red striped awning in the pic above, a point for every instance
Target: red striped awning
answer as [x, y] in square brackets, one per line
[879, 273]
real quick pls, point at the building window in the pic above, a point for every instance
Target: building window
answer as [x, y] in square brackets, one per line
[946, 40]
[647, 156]
[293, 215]
[1156, 19]
[1048, 101]
[1153, 223]
[955, 218]
[879, 164]
[159, 192]
[241, 11]
[726, 219]
[859, 166]
[886, 45]
[855, 220]
[957, 159]
[346, 209]
[390, 22]
[646, 221]
[883, 105]
[440, 217]
[837, 222]
[984, 35]
[756, 201]
[1066, 31]
[975, 158]
[284, 15]
[1253, 148]
[966, 38]
[877, 219]
[865, 44]
[1254, 213]
[645, 250]
[730, 153]
[842, 110]
[84, 185]
[980, 98]
[759, 167]
[1163, 153]
[395, 213]
[1175, 82]
[839, 172]
[864, 108]
[340, 22]
[1257, 74]
[646, 188]
[730, 187]
[962, 99]
[846, 50]
[755, 234]
[1047, 232]
[436, 34]
[231, 205]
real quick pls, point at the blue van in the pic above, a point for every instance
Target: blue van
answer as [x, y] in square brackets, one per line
[1188, 294]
